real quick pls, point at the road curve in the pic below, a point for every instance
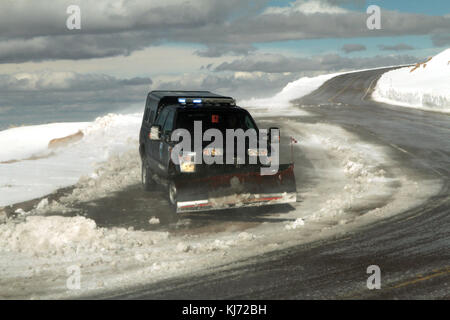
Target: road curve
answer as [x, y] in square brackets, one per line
[411, 248]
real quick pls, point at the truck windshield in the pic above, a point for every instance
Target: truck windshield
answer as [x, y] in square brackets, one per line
[221, 120]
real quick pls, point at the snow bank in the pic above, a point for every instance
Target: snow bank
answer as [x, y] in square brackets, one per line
[291, 91]
[57, 235]
[51, 169]
[115, 174]
[280, 104]
[423, 86]
[32, 141]
[118, 172]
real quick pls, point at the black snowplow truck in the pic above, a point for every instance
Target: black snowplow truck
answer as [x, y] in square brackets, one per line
[192, 185]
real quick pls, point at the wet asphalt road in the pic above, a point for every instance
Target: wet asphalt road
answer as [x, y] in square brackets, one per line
[412, 248]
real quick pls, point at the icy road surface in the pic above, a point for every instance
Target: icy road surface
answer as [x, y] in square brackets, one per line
[411, 248]
[348, 179]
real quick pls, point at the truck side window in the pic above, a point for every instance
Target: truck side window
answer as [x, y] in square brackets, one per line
[162, 117]
[168, 125]
[249, 123]
[150, 118]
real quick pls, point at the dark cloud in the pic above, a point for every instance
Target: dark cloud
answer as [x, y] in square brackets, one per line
[271, 63]
[136, 81]
[441, 40]
[35, 31]
[207, 67]
[397, 47]
[26, 19]
[73, 47]
[296, 25]
[348, 48]
[49, 82]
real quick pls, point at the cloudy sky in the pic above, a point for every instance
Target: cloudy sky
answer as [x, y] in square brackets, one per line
[241, 48]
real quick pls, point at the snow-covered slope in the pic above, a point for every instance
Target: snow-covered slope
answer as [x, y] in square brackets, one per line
[281, 103]
[423, 86]
[32, 141]
[29, 168]
[293, 90]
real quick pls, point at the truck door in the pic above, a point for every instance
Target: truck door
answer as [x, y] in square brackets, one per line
[145, 129]
[154, 156]
[165, 146]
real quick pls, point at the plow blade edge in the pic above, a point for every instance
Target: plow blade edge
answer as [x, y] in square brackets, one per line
[236, 190]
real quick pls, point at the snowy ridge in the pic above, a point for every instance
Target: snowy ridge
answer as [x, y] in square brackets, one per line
[39, 170]
[281, 103]
[32, 141]
[423, 86]
[293, 90]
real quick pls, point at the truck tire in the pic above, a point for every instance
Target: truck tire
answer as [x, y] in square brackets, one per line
[172, 195]
[147, 182]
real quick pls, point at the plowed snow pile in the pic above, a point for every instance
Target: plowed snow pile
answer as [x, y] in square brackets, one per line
[293, 90]
[26, 142]
[423, 86]
[57, 235]
[38, 170]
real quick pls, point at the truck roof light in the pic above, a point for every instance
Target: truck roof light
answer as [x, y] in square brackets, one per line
[206, 101]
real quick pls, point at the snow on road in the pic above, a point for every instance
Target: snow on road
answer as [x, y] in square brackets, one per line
[351, 183]
[423, 86]
[36, 250]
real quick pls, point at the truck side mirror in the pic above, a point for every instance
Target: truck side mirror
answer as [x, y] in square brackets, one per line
[155, 133]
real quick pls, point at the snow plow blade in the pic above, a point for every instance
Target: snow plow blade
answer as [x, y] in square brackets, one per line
[236, 190]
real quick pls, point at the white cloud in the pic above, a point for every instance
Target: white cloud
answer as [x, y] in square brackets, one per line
[276, 63]
[307, 7]
[44, 80]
